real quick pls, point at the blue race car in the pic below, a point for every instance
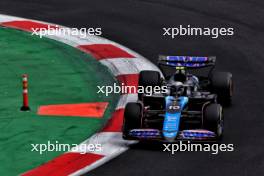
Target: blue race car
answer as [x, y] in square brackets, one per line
[189, 109]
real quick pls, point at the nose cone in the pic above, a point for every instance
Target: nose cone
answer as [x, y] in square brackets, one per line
[170, 135]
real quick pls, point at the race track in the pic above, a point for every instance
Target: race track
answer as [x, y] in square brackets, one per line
[138, 25]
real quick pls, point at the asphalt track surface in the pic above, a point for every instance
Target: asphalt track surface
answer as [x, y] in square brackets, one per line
[138, 25]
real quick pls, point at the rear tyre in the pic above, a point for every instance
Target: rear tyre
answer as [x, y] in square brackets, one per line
[222, 84]
[132, 118]
[148, 78]
[213, 119]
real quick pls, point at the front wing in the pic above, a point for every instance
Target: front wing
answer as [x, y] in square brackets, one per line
[155, 134]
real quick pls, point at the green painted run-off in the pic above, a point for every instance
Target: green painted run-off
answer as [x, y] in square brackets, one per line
[58, 74]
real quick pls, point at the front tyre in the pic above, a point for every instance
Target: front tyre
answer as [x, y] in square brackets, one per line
[213, 119]
[132, 118]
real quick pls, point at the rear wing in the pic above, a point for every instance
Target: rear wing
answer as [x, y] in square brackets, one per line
[187, 61]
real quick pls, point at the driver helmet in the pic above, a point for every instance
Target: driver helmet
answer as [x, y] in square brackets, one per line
[176, 89]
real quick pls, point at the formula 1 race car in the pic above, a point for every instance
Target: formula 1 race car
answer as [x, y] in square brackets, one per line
[190, 108]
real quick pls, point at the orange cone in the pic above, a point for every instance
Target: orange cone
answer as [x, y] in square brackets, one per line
[25, 106]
